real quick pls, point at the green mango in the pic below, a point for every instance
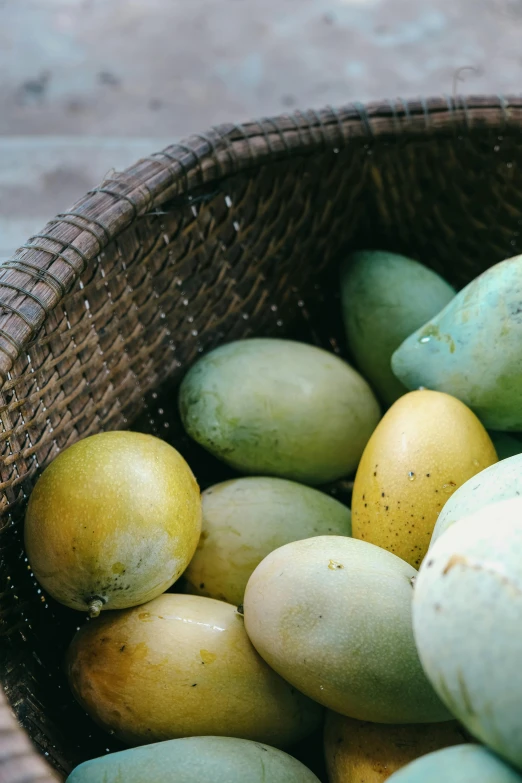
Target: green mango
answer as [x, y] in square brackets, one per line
[247, 518]
[279, 408]
[460, 764]
[500, 481]
[505, 445]
[332, 616]
[467, 615]
[385, 297]
[473, 348]
[195, 760]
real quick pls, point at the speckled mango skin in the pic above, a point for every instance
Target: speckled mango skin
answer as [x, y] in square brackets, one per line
[473, 348]
[332, 615]
[195, 760]
[245, 519]
[279, 408]
[461, 764]
[425, 447]
[498, 482]
[181, 666]
[467, 616]
[117, 516]
[386, 297]
[363, 752]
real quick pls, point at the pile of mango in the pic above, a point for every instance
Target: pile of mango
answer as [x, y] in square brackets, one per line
[397, 622]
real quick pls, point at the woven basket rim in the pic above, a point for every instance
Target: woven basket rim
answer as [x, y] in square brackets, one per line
[29, 292]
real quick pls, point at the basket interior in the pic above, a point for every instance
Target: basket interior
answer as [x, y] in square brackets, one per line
[255, 253]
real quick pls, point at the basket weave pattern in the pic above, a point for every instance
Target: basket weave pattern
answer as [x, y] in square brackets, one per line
[232, 233]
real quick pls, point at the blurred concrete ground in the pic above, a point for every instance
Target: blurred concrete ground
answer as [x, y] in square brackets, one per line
[90, 85]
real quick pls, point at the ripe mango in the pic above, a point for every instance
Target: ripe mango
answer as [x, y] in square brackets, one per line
[363, 752]
[425, 447]
[181, 666]
[112, 522]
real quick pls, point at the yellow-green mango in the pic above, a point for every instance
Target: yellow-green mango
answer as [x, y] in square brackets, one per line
[195, 760]
[247, 518]
[460, 764]
[332, 615]
[473, 348]
[386, 297]
[279, 408]
[425, 447]
[182, 666]
[112, 522]
[363, 752]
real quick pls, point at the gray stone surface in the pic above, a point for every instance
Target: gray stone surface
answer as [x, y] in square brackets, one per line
[140, 72]
[167, 67]
[43, 175]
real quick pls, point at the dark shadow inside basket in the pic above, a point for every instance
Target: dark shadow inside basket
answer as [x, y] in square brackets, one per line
[255, 254]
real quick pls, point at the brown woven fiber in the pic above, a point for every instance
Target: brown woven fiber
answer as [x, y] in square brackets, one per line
[235, 232]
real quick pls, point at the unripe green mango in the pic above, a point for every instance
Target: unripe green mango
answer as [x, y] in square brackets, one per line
[473, 348]
[460, 764]
[505, 445]
[195, 760]
[386, 297]
[500, 481]
[280, 408]
[467, 616]
[332, 616]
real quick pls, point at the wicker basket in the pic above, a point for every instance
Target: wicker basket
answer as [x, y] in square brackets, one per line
[232, 233]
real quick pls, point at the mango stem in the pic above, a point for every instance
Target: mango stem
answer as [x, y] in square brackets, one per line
[95, 606]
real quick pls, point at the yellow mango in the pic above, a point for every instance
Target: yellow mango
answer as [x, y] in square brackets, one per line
[112, 522]
[361, 752]
[182, 666]
[425, 447]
